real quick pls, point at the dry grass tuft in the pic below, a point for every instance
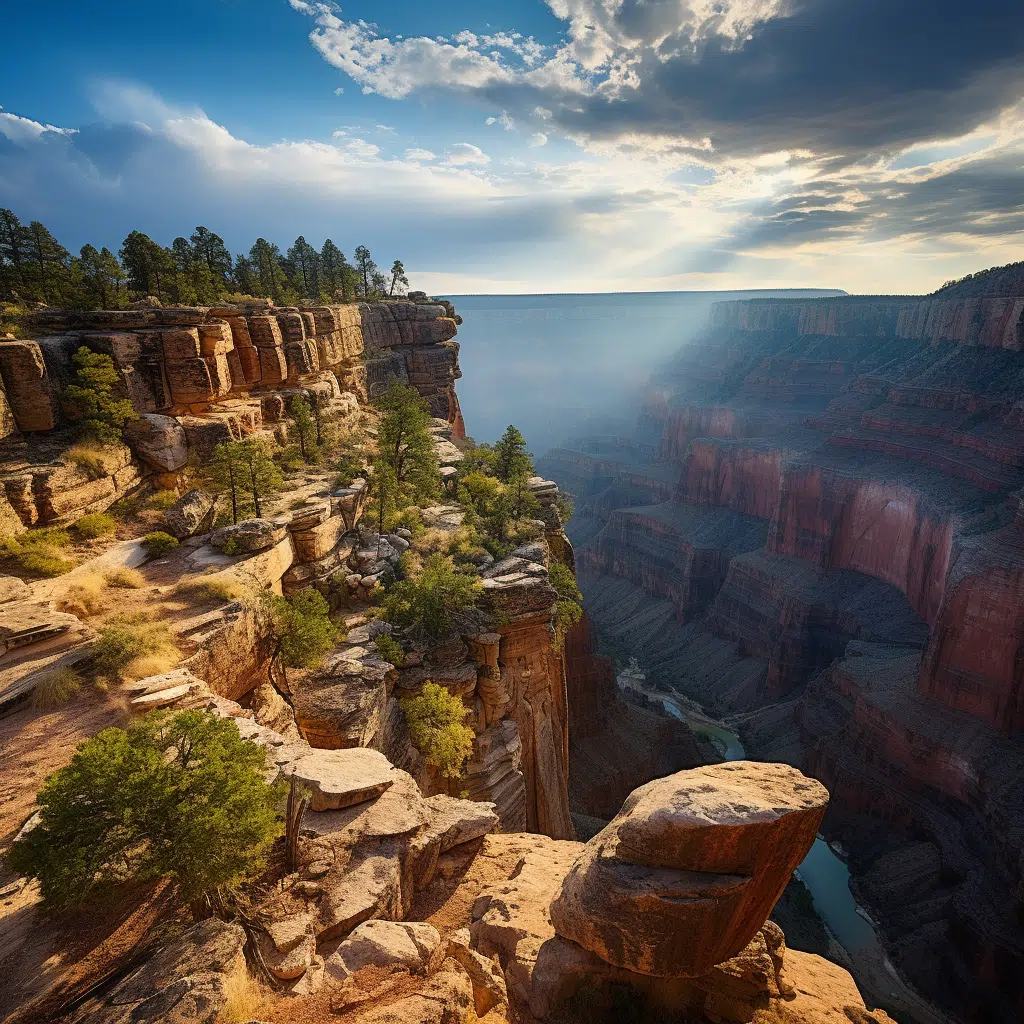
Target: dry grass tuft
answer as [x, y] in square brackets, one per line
[133, 647]
[55, 689]
[85, 596]
[124, 578]
[223, 588]
[246, 998]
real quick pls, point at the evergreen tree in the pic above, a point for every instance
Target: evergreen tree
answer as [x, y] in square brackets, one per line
[147, 265]
[303, 262]
[210, 249]
[404, 439]
[260, 472]
[332, 270]
[181, 797]
[100, 278]
[299, 409]
[270, 278]
[511, 457]
[366, 268]
[90, 397]
[398, 278]
[245, 472]
[50, 262]
[225, 472]
[180, 287]
[14, 256]
[302, 627]
[243, 276]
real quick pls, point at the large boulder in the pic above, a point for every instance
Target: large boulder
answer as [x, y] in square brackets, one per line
[686, 874]
[249, 536]
[412, 945]
[158, 440]
[192, 513]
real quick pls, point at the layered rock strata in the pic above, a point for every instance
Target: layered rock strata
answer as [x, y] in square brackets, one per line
[844, 534]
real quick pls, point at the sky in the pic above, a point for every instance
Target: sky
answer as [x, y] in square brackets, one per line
[534, 145]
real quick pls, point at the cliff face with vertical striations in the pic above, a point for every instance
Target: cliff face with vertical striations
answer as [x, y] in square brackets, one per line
[844, 535]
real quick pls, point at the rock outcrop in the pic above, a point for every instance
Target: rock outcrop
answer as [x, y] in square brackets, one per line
[842, 532]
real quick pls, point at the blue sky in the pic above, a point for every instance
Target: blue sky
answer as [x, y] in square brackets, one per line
[875, 145]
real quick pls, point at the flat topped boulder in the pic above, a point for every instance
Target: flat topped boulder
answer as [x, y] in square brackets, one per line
[342, 778]
[688, 871]
[730, 817]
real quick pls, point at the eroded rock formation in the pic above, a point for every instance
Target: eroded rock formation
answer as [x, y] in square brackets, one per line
[842, 532]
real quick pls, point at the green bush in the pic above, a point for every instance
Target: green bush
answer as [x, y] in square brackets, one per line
[159, 543]
[162, 500]
[428, 605]
[570, 601]
[180, 797]
[40, 552]
[390, 649]
[133, 638]
[436, 722]
[302, 627]
[96, 524]
[89, 398]
[55, 689]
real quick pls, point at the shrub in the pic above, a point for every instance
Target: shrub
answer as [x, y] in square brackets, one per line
[436, 722]
[55, 689]
[96, 524]
[302, 626]
[40, 552]
[124, 578]
[570, 601]
[216, 589]
[162, 500]
[131, 645]
[429, 605]
[85, 596]
[159, 543]
[390, 649]
[88, 461]
[180, 796]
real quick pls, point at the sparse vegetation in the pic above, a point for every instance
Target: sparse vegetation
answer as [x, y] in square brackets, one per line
[437, 727]
[246, 997]
[162, 500]
[180, 797]
[570, 601]
[55, 689]
[124, 578]
[390, 649]
[88, 460]
[42, 552]
[159, 543]
[94, 525]
[84, 597]
[246, 473]
[430, 604]
[218, 588]
[134, 646]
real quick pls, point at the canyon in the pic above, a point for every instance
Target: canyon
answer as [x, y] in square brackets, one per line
[814, 528]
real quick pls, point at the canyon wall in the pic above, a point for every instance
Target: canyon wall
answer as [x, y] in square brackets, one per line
[843, 540]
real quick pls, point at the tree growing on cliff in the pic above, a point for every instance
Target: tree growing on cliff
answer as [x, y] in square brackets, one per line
[366, 268]
[14, 275]
[90, 398]
[511, 457]
[209, 248]
[570, 601]
[398, 278]
[100, 278]
[180, 797]
[431, 604]
[438, 730]
[146, 265]
[302, 627]
[303, 266]
[51, 262]
[332, 270]
[404, 439]
[270, 279]
[244, 471]
[304, 426]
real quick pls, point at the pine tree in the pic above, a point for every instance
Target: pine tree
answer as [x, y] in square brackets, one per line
[14, 257]
[211, 250]
[366, 268]
[398, 278]
[299, 409]
[261, 474]
[243, 276]
[90, 397]
[404, 439]
[182, 292]
[147, 265]
[303, 263]
[512, 459]
[332, 270]
[50, 259]
[271, 280]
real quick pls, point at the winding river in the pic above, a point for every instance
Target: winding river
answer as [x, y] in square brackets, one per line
[828, 880]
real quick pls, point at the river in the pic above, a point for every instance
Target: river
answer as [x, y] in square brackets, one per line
[827, 879]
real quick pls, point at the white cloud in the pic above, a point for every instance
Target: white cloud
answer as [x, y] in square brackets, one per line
[466, 153]
[23, 129]
[340, 133]
[538, 139]
[419, 154]
[362, 149]
[339, 91]
[385, 128]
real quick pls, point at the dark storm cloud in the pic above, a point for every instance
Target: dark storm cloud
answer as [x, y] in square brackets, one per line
[837, 77]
